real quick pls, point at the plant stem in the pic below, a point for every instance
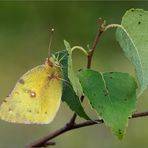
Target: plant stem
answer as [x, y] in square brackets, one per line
[80, 48]
[98, 34]
[72, 120]
[41, 142]
[112, 26]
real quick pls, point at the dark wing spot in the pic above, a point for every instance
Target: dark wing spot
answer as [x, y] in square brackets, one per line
[21, 81]
[37, 112]
[139, 22]
[10, 110]
[45, 112]
[5, 101]
[29, 110]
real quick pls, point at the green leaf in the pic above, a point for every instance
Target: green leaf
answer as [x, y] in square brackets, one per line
[71, 75]
[112, 95]
[133, 38]
[68, 95]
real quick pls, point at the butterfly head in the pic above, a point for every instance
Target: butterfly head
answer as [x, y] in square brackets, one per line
[53, 61]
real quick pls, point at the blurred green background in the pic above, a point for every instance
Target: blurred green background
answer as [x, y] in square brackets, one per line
[24, 38]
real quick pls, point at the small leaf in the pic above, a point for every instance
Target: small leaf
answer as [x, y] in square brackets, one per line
[71, 75]
[133, 38]
[112, 95]
[68, 95]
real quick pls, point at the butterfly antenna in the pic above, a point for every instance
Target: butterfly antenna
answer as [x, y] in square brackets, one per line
[50, 42]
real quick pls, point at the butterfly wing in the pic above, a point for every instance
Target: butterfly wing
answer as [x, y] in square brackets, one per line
[36, 97]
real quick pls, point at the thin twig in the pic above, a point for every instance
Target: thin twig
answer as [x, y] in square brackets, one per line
[66, 128]
[112, 26]
[72, 120]
[98, 34]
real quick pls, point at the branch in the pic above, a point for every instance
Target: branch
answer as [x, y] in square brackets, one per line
[72, 120]
[99, 33]
[43, 141]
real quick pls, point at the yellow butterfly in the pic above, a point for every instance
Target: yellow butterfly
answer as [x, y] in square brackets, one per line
[36, 97]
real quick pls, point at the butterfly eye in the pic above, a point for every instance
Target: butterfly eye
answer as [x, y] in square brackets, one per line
[56, 63]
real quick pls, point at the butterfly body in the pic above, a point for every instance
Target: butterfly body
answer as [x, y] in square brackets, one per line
[36, 96]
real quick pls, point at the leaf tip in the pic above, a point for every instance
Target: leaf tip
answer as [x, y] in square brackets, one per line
[119, 133]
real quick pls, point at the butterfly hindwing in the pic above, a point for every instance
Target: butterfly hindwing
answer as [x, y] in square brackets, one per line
[35, 98]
